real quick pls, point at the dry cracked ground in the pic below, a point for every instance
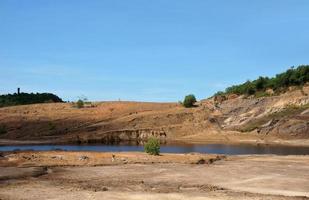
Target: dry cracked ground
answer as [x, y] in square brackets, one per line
[235, 177]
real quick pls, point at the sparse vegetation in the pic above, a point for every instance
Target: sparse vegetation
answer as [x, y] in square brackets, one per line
[80, 103]
[189, 101]
[25, 98]
[83, 103]
[3, 129]
[152, 146]
[280, 83]
[262, 94]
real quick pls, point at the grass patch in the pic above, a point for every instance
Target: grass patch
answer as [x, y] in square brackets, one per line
[262, 94]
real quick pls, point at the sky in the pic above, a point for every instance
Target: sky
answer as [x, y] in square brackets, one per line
[147, 50]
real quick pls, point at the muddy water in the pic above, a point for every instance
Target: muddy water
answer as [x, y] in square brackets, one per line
[174, 148]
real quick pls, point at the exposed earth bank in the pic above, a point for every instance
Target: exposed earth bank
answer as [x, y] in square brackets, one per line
[90, 175]
[280, 119]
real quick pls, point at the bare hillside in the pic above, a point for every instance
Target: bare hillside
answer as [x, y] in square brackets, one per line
[235, 119]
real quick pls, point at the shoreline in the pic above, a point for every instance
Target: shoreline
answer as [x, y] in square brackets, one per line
[90, 158]
[255, 142]
[56, 158]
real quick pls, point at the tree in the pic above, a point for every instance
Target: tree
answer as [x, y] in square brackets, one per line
[260, 83]
[80, 104]
[189, 101]
[26, 98]
[292, 77]
[152, 146]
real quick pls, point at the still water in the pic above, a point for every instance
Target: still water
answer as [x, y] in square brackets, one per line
[228, 149]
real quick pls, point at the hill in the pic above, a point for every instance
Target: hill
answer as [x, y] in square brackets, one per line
[281, 116]
[25, 98]
[274, 119]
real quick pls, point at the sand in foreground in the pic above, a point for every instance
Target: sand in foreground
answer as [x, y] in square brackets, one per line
[139, 176]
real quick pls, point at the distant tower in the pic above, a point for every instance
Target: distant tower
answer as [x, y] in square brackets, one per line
[18, 91]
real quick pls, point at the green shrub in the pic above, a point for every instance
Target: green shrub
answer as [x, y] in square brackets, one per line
[280, 83]
[152, 146]
[189, 101]
[3, 129]
[80, 104]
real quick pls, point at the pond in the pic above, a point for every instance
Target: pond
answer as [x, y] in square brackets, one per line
[228, 149]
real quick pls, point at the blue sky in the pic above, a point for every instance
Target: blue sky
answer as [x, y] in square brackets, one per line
[147, 50]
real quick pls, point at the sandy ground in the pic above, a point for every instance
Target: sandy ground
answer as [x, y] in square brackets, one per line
[148, 177]
[65, 158]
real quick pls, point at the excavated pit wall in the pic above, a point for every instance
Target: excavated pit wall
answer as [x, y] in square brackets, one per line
[138, 136]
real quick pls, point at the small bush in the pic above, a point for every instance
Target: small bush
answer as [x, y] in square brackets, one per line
[3, 129]
[80, 104]
[189, 101]
[152, 146]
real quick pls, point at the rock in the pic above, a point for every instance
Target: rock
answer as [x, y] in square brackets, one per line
[212, 120]
[232, 96]
[59, 157]
[82, 158]
[124, 160]
[294, 128]
[26, 157]
[219, 99]
[269, 123]
[38, 171]
[270, 91]
[201, 161]
[306, 112]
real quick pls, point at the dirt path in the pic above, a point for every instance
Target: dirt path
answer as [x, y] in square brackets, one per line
[237, 177]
